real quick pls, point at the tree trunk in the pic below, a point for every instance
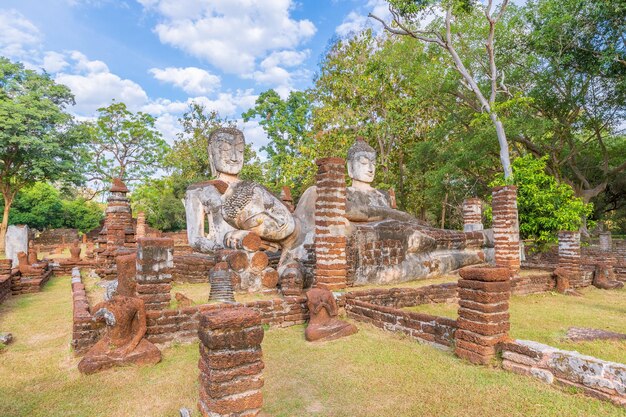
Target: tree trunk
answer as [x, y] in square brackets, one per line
[505, 159]
[443, 210]
[5, 221]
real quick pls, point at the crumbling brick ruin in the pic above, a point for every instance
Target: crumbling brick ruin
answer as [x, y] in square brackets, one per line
[231, 363]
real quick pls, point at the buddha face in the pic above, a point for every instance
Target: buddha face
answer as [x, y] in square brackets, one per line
[226, 151]
[251, 207]
[362, 167]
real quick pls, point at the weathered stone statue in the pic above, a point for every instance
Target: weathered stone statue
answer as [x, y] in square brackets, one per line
[386, 245]
[29, 269]
[323, 321]
[220, 213]
[364, 202]
[125, 318]
[75, 250]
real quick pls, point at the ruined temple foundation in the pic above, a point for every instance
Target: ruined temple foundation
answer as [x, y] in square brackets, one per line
[472, 215]
[569, 256]
[231, 363]
[506, 227]
[155, 261]
[330, 224]
[483, 321]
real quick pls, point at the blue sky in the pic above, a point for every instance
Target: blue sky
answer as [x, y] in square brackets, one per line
[158, 55]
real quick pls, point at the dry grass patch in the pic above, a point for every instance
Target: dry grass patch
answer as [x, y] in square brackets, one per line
[443, 279]
[545, 318]
[199, 294]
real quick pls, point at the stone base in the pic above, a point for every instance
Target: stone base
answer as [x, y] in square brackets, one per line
[100, 358]
[334, 329]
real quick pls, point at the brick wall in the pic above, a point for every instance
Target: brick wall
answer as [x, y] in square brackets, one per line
[422, 327]
[193, 267]
[472, 215]
[539, 281]
[182, 325]
[85, 332]
[506, 227]
[5, 279]
[595, 377]
[406, 297]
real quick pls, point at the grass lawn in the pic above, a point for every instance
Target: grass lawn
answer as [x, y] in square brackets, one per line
[546, 317]
[199, 293]
[372, 373]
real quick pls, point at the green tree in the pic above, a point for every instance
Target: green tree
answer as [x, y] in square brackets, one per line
[545, 205]
[36, 142]
[39, 206]
[123, 144]
[82, 214]
[407, 16]
[287, 124]
[164, 210]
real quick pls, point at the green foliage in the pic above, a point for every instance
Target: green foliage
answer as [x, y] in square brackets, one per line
[41, 206]
[123, 144]
[36, 143]
[81, 214]
[545, 205]
[164, 210]
[287, 124]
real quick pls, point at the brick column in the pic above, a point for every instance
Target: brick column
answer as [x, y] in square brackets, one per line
[506, 227]
[569, 256]
[472, 215]
[606, 242]
[231, 362]
[141, 225]
[330, 224]
[483, 320]
[154, 271]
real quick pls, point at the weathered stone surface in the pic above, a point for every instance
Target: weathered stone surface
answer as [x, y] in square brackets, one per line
[323, 322]
[16, 241]
[6, 338]
[577, 334]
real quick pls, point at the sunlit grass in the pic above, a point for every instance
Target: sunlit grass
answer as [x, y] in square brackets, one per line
[372, 373]
[545, 318]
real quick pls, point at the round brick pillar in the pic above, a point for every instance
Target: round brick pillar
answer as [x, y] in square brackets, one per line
[569, 255]
[472, 215]
[506, 227]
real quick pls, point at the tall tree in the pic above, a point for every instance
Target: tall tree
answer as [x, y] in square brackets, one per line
[407, 21]
[36, 142]
[123, 144]
[287, 124]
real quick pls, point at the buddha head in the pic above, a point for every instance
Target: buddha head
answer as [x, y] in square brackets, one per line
[226, 146]
[361, 162]
[250, 206]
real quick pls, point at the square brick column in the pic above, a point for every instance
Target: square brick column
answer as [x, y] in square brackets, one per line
[231, 362]
[569, 256]
[605, 241]
[155, 260]
[472, 215]
[483, 320]
[330, 224]
[506, 227]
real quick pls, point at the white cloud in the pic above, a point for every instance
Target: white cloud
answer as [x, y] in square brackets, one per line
[230, 34]
[254, 134]
[357, 20]
[226, 104]
[272, 71]
[191, 79]
[18, 35]
[54, 62]
[94, 86]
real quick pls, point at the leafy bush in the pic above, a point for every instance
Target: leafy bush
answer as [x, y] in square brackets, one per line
[545, 205]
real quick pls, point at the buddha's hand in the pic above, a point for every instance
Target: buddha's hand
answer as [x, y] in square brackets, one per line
[234, 239]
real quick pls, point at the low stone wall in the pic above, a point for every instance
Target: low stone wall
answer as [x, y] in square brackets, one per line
[422, 327]
[597, 378]
[182, 325]
[5, 279]
[406, 297]
[85, 332]
[64, 266]
[192, 267]
[56, 237]
[541, 281]
[28, 284]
